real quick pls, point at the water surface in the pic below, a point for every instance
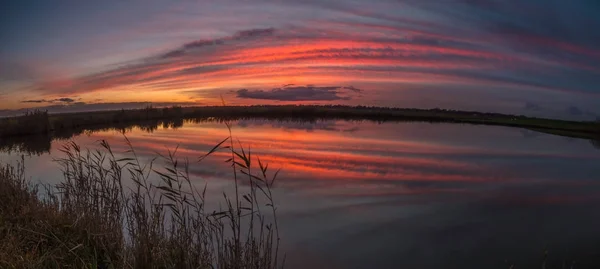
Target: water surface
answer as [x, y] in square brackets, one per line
[391, 195]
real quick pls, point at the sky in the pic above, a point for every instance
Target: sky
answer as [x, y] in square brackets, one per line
[536, 57]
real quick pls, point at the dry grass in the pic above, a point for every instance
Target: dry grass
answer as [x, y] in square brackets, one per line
[91, 220]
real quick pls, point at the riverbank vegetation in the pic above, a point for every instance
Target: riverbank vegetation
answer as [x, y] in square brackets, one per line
[42, 122]
[108, 212]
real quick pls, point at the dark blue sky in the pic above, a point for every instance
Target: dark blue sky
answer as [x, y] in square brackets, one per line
[534, 57]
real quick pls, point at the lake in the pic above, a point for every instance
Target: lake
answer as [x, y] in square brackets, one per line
[391, 195]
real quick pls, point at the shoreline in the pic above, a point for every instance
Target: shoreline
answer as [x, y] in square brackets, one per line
[39, 123]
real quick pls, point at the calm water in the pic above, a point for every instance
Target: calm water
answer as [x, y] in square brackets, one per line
[391, 195]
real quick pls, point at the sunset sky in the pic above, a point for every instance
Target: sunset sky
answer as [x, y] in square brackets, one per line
[536, 57]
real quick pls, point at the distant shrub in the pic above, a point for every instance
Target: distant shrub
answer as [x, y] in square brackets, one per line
[34, 122]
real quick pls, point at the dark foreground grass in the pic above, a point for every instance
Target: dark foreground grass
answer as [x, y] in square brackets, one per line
[91, 220]
[41, 122]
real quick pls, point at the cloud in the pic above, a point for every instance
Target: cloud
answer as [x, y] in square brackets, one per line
[574, 111]
[352, 89]
[532, 106]
[36, 101]
[66, 100]
[581, 112]
[299, 93]
[240, 35]
[503, 49]
[254, 33]
[248, 54]
[59, 100]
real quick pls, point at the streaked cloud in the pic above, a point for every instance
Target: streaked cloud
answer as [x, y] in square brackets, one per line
[505, 52]
[240, 35]
[58, 100]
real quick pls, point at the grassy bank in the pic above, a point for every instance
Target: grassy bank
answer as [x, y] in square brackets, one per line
[41, 122]
[91, 220]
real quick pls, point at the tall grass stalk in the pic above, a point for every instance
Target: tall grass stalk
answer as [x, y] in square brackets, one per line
[109, 213]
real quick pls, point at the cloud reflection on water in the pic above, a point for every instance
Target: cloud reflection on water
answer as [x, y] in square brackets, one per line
[435, 192]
